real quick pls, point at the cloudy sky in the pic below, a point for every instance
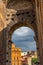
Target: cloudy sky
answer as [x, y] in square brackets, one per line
[24, 38]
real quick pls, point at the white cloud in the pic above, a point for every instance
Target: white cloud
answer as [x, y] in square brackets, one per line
[24, 38]
[23, 31]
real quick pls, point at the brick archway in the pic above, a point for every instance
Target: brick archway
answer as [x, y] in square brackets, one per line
[13, 27]
[37, 26]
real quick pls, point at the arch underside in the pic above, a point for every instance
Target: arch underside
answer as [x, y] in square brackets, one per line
[20, 24]
[25, 15]
[37, 26]
[19, 4]
[22, 7]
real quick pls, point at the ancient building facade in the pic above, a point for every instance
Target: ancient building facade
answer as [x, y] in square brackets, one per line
[17, 13]
[15, 55]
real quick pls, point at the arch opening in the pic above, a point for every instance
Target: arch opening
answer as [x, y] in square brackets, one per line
[20, 25]
[20, 22]
[22, 35]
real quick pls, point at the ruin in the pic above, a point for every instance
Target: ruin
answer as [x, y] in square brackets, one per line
[17, 13]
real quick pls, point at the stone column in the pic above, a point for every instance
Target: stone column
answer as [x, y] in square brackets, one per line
[39, 16]
[2, 33]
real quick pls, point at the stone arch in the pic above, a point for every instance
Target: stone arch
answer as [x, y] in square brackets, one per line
[39, 28]
[12, 27]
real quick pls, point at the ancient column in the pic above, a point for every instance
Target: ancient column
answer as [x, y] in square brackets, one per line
[39, 17]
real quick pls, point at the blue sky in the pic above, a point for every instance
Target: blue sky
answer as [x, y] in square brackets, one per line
[24, 38]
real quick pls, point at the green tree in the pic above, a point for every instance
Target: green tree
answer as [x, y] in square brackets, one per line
[34, 60]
